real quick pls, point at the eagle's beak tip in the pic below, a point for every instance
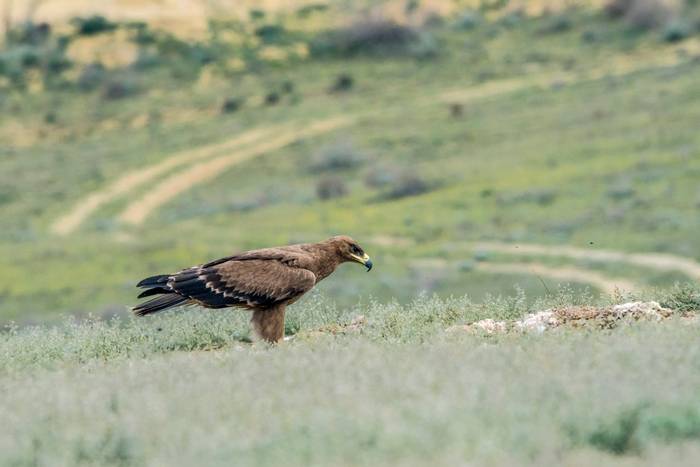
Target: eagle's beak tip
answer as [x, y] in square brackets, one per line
[368, 265]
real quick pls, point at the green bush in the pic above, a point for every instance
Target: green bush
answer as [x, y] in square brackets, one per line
[556, 24]
[20, 56]
[676, 31]
[618, 435]
[683, 297]
[270, 33]
[408, 183]
[28, 33]
[93, 25]
[343, 82]
[91, 76]
[630, 431]
[468, 20]
[232, 104]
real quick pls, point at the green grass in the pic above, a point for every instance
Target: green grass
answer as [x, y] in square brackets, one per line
[183, 388]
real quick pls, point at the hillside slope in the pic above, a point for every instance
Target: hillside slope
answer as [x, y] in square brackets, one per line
[567, 129]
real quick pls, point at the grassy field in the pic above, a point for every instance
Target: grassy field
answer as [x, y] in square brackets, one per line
[520, 162]
[392, 388]
[568, 129]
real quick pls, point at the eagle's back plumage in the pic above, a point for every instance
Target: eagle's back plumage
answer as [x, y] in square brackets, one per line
[257, 279]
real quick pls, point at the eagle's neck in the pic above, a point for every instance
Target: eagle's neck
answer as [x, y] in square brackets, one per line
[325, 260]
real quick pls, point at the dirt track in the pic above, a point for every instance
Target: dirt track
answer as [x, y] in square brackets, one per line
[84, 208]
[134, 179]
[137, 211]
[655, 261]
[607, 285]
[604, 283]
[658, 261]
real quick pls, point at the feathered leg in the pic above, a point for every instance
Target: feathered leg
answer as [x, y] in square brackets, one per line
[269, 324]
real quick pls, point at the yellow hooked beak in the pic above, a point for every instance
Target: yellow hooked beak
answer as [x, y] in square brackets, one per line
[364, 260]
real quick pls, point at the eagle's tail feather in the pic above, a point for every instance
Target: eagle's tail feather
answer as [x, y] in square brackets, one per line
[159, 304]
[154, 281]
[154, 291]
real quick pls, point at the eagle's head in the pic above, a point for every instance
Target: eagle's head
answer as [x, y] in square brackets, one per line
[349, 250]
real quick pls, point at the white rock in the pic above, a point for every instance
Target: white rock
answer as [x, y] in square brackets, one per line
[641, 309]
[538, 322]
[489, 326]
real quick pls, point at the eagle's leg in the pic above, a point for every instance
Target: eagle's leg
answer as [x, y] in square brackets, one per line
[268, 324]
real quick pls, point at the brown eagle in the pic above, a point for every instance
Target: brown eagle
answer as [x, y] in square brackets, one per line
[265, 281]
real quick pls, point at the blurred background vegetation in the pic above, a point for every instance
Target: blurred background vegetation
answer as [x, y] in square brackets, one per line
[470, 146]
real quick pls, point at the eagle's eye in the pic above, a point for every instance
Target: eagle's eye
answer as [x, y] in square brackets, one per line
[356, 250]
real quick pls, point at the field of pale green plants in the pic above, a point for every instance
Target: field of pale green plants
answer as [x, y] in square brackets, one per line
[187, 388]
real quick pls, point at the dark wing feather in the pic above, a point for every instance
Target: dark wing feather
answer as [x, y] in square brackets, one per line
[247, 282]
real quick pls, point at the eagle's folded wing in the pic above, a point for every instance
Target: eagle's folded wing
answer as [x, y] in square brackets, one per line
[245, 282]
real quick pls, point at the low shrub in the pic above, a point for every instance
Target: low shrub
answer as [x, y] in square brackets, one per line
[287, 87]
[425, 47]
[232, 104]
[556, 24]
[119, 88]
[272, 98]
[468, 20]
[407, 184]
[93, 25]
[621, 189]
[676, 31]
[270, 33]
[31, 47]
[330, 187]
[29, 33]
[618, 435]
[343, 82]
[630, 431]
[380, 177]
[91, 76]
[683, 297]
[642, 14]
[373, 36]
[341, 155]
[456, 109]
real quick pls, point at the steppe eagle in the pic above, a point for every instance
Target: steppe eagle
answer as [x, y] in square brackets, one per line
[264, 281]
